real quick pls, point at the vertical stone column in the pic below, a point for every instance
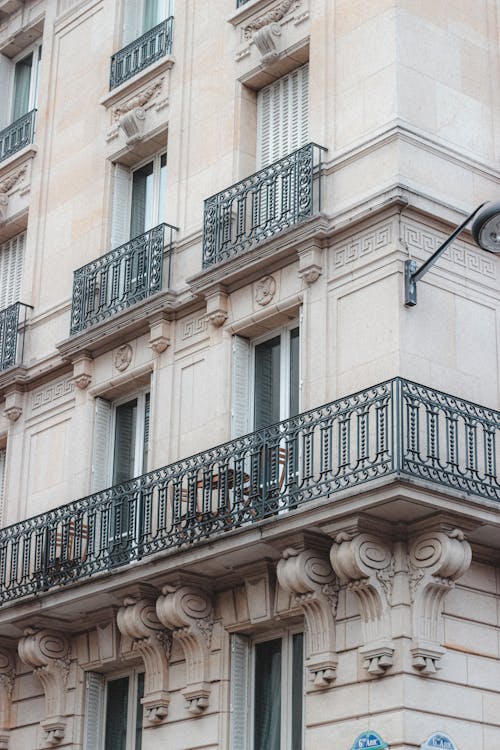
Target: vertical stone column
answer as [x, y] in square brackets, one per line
[7, 676]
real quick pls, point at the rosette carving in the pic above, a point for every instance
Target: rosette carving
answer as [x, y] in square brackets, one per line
[7, 676]
[436, 558]
[137, 619]
[365, 564]
[48, 652]
[308, 575]
[187, 611]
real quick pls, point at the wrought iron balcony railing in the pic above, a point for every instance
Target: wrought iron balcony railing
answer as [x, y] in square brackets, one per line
[395, 428]
[262, 205]
[141, 53]
[17, 135]
[119, 279]
[11, 335]
[239, 3]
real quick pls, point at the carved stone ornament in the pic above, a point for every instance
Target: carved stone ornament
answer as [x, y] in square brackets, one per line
[7, 676]
[217, 308]
[271, 16]
[132, 124]
[159, 335]
[187, 611]
[13, 405]
[265, 289]
[138, 101]
[82, 372]
[436, 558]
[310, 264]
[8, 182]
[365, 563]
[4, 202]
[265, 40]
[47, 652]
[123, 357]
[137, 619]
[308, 575]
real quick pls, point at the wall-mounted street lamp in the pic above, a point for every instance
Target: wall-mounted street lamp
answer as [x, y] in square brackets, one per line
[486, 232]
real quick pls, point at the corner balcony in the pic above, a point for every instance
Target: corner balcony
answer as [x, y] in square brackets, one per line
[428, 451]
[141, 53]
[121, 278]
[282, 195]
[17, 135]
[12, 332]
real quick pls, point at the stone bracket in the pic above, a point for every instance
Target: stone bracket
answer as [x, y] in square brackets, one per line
[83, 370]
[13, 405]
[217, 308]
[310, 263]
[159, 335]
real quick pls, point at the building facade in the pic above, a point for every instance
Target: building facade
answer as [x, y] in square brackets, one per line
[249, 498]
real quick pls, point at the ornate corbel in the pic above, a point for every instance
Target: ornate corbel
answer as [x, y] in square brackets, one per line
[310, 263]
[7, 676]
[4, 202]
[13, 405]
[159, 335]
[47, 652]
[83, 368]
[137, 619]
[265, 40]
[187, 611]
[308, 575]
[132, 124]
[365, 563]
[436, 558]
[217, 308]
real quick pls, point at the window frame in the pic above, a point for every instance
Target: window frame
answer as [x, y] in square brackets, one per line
[141, 448]
[132, 700]
[157, 211]
[36, 50]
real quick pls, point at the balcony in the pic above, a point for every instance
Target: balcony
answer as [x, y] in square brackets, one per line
[17, 135]
[121, 278]
[396, 429]
[11, 337]
[141, 53]
[277, 197]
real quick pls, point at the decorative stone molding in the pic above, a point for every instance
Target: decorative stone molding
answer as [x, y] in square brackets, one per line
[83, 369]
[47, 652]
[265, 40]
[217, 308]
[137, 619]
[308, 575]
[13, 405]
[8, 182]
[265, 290]
[271, 16]
[123, 357]
[436, 558]
[132, 124]
[7, 676]
[159, 335]
[310, 264]
[187, 611]
[138, 101]
[365, 563]
[4, 202]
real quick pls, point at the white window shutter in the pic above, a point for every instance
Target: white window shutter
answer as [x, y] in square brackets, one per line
[11, 270]
[102, 439]
[239, 699]
[120, 221]
[3, 456]
[283, 116]
[240, 394]
[94, 704]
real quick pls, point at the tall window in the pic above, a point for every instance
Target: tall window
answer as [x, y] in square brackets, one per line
[114, 712]
[19, 84]
[139, 199]
[141, 15]
[283, 116]
[267, 676]
[11, 270]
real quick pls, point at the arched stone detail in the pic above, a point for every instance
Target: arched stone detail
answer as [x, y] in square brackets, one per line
[308, 576]
[365, 563]
[187, 611]
[436, 558]
[7, 676]
[48, 652]
[137, 619]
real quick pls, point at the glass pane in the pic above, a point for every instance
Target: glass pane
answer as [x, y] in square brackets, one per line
[116, 715]
[294, 372]
[124, 449]
[139, 712]
[152, 14]
[267, 383]
[161, 217]
[22, 80]
[141, 214]
[297, 689]
[267, 696]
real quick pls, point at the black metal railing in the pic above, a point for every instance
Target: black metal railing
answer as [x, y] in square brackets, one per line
[262, 205]
[141, 53]
[12, 333]
[17, 135]
[119, 279]
[395, 428]
[239, 3]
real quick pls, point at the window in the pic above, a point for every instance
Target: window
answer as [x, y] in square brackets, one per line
[11, 270]
[283, 116]
[21, 74]
[141, 15]
[266, 379]
[113, 712]
[139, 199]
[267, 675]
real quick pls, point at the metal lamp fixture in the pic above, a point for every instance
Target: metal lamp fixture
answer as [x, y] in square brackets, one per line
[486, 232]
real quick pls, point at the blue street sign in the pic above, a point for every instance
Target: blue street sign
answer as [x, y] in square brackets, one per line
[439, 740]
[369, 741]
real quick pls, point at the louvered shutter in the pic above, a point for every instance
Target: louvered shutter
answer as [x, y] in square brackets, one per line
[145, 451]
[102, 437]
[11, 270]
[3, 455]
[283, 116]
[120, 221]
[239, 699]
[240, 386]
[94, 703]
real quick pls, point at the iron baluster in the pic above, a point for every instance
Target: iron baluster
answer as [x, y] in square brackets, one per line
[141, 53]
[471, 446]
[451, 439]
[17, 135]
[490, 453]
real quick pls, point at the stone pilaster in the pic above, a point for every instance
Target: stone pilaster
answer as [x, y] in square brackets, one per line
[7, 676]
